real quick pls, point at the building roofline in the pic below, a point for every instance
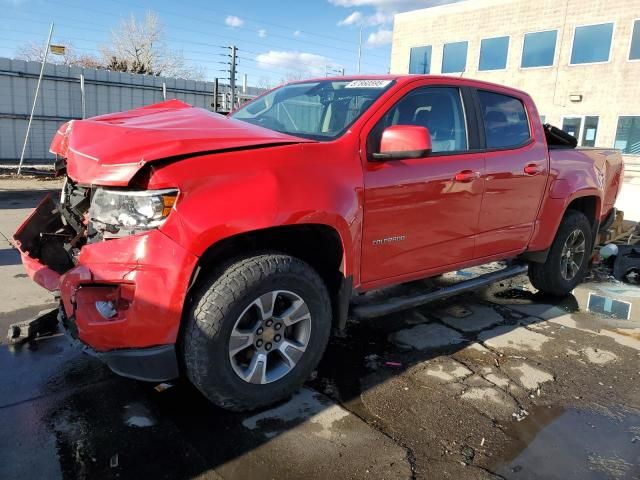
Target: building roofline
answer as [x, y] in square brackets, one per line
[455, 5]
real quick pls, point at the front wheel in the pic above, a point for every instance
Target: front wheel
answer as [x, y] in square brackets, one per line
[257, 331]
[568, 257]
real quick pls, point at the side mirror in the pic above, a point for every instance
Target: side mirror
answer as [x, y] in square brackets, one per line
[403, 141]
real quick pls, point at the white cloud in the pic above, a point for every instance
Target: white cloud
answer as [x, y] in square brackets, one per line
[357, 18]
[354, 19]
[384, 10]
[302, 62]
[233, 21]
[381, 37]
[262, 33]
[399, 5]
[297, 33]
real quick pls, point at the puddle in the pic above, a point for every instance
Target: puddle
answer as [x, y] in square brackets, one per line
[564, 444]
[137, 415]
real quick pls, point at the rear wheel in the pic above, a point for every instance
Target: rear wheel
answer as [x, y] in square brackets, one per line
[257, 331]
[568, 257]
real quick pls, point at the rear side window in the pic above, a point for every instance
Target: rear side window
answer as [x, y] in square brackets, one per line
[505, 120]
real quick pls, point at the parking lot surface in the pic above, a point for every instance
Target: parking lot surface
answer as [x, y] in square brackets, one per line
[501, 383]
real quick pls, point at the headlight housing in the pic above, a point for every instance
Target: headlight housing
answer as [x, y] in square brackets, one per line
[117, 213]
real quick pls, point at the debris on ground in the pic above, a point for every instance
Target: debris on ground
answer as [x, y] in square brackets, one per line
[393, 364]
[609, 250]
[161, 387]
[520, 415]
[372, 362]
[627, 262]
[45, 322]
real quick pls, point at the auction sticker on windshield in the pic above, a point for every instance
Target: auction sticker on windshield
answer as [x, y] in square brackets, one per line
[367, 84]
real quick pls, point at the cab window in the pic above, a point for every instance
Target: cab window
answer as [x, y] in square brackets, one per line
[505, 120]
[439, 109]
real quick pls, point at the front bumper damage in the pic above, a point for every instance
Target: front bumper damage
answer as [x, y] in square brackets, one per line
[144, 278]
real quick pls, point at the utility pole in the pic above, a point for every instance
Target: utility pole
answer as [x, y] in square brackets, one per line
[232, 75]
[215, 94]
[35, 99]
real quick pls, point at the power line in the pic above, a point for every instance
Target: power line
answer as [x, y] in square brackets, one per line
[209, 22]
[185, 41]
[213, 64]
[258, 22]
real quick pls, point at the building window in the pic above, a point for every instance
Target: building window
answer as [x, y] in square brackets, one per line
[420, 60]
[505, 120]
[592, 43]
[539, 49]
[628, 135]
[454, 57]
[493, 53]
[634, 52]
[585, 129]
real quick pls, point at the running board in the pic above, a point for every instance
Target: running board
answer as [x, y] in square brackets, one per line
[398, 304]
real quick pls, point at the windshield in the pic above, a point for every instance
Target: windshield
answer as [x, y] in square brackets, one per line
[321, 110]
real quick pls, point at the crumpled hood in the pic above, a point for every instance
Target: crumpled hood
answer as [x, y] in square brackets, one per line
[110, 149]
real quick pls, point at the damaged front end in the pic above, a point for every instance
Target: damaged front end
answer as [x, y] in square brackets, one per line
[51, 237]
[122, 282]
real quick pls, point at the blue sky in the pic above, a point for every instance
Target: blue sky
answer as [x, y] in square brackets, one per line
[275, 38]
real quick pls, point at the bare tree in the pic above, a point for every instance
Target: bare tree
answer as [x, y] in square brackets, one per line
[264, 83]
[140, 47]
[33, 51]
[294, 76]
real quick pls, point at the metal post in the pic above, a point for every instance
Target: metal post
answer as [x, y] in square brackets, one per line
[35, 99]
[215, 94]
[232, 79]
[359, 48]
[244, 83]
[82, 98]
[164, 91]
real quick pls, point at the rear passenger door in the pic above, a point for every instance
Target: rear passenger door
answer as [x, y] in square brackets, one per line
[516, 169]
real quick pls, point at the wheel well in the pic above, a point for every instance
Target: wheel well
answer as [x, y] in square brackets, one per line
[318, 245]
[588, 206]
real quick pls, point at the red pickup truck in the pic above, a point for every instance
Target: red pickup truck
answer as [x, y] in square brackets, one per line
[226, 248]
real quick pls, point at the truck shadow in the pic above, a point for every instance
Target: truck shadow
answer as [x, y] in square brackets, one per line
[177, 433]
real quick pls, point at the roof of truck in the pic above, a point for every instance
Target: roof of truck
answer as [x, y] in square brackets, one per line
[406, 78]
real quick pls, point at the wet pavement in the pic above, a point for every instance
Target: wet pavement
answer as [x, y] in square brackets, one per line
[502, 383]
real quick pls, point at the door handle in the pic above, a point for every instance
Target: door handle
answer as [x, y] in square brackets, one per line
[533, 169]
[467, 176]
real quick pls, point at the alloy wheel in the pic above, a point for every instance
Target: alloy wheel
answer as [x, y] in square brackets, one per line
[270, 337]
[572, 255]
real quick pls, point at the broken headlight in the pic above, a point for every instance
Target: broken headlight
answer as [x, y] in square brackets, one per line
[118, 213]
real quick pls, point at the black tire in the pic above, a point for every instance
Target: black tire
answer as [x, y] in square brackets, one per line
[221, 302]
[547, 277]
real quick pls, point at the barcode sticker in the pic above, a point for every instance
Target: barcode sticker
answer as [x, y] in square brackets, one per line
[367, 84]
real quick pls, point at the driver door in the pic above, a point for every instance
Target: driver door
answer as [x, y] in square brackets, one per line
[421, 214]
